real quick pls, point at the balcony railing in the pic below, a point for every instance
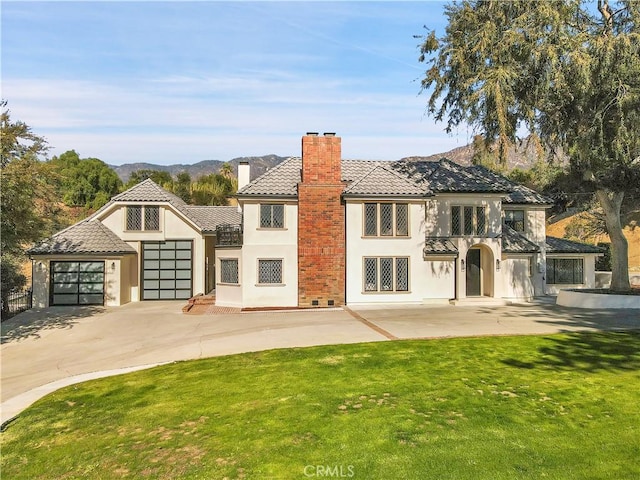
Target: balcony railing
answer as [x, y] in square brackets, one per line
[228, 235]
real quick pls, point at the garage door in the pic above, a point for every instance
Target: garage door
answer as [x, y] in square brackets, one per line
[166, 270]
[77, 283]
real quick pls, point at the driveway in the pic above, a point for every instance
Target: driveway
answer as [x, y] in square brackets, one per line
[43, 350]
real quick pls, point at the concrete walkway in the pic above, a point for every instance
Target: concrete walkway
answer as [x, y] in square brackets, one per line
[43, 350]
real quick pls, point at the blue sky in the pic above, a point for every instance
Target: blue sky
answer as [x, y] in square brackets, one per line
[179, 82]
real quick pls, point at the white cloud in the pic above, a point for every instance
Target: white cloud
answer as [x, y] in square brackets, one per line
[124, 123]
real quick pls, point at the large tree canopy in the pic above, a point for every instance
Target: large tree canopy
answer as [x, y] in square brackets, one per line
[566, 70]
[26, 210]
[85, 182]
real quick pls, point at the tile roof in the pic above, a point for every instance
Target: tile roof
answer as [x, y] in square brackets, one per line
[204, 217]
[514, 242]
[148, 191]
[283, 179]
[439, 246]
[366, 177]
[381, 180]
[519, 194]
[562, 245]
[91, 236]
[445, 176]
[209, 217]
[85, 237]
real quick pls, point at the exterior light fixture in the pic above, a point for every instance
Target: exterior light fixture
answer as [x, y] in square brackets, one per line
[497, 264]
[462, 265]
[113, 266]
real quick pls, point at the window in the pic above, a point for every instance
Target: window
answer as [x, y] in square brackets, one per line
[136, 214]
[269, 271]
[386, 220]
[152, 218]
[386, 274]
[271, 216]
[134, 218]
[229, 270]
[455, 220]
[565, 271]
[468, 220]
[514, 219]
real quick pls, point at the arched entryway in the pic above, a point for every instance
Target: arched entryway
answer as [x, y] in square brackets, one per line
[479, 272]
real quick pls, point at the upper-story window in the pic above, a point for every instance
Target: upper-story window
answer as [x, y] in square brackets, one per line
[386, 220]
[271, 215]
[468, 220]
[143, 217]
[514, 219]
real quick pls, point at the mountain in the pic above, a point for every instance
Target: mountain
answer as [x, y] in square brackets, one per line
[523, 156]
[259, 165]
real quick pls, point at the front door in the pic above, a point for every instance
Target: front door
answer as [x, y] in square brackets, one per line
[473, 273]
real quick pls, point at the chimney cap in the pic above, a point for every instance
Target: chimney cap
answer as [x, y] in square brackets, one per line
[329, 134]
[312, 134]
[244, 162]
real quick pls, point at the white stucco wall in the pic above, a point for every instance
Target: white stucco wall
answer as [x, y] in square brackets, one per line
[40, 282]
[269, 244]
[229, 295]
[535, 230]
[438, 209]
[589, 274]
[428, 280]
[173, 226]
[516, 281]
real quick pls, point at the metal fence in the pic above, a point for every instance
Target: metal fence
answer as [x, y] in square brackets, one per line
[15, 302]
[229, 235]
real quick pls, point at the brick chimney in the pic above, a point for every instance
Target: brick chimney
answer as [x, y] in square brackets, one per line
[321, 223]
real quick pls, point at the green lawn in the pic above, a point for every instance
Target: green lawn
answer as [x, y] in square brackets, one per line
[556, 406]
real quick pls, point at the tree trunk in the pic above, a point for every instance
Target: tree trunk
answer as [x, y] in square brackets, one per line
[611, 202]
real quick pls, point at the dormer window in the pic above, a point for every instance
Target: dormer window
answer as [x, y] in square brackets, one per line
[143, 217]
[514, 219]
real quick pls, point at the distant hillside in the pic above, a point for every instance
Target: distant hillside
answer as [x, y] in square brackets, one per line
[523, 156]
[259, 165]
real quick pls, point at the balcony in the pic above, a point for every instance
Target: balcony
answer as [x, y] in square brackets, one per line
[228, 235]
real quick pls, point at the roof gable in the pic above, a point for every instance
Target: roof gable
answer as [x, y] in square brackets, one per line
[514, 242]
[148, 191]
[384, 181]
[85, 237]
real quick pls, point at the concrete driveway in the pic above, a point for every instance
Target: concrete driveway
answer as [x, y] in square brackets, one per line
[43, 350]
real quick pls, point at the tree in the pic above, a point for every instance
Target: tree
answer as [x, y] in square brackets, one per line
[86, 182]
[158, 176]
[213, 189]
[182, 186]
[568, 73]
[26, 210]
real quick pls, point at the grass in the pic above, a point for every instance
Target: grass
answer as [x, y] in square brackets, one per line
[558, 406]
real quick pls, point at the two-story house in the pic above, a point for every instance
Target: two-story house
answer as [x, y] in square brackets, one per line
[318, 231]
